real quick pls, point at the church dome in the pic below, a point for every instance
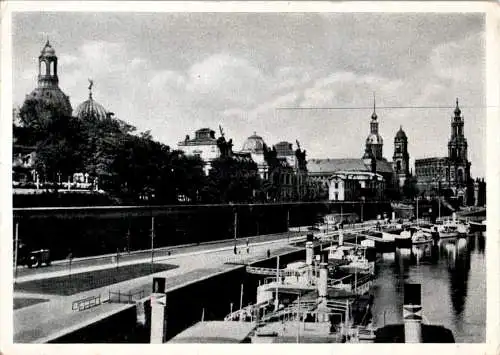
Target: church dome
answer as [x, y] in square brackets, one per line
[374, 138]
[91, 109]
[253, 144]
[401, 134]
[52, 97]
[47, 50]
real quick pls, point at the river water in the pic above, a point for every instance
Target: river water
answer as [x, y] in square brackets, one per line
[453, 278]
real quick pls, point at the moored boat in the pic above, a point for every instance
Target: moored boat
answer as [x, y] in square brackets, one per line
[422, 237]
[403, 240]
[477, 226]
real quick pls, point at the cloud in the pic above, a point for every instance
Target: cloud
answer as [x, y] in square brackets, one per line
[238, 69]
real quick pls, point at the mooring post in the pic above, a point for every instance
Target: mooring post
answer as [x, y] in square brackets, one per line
[158, 311]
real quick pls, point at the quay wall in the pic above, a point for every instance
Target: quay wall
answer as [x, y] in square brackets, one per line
[90, 235]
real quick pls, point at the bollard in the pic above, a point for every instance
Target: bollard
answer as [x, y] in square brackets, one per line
[158, 311]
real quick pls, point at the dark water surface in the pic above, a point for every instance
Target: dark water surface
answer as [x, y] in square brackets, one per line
[453, 278]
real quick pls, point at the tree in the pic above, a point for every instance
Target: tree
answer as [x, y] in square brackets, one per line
[55, 136]
[232, 180]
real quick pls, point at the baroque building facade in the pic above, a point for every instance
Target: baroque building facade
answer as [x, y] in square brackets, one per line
[203, 144]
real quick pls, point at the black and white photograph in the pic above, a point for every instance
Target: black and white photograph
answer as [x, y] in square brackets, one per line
[248, 176]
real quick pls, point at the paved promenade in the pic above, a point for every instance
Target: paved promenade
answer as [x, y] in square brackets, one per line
[49, 320]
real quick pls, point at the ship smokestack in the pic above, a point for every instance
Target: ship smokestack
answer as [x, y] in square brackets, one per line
[309, 250]
[323, 310]
[322, 282]
[412, 313]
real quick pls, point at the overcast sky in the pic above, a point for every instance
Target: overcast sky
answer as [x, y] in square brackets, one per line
[175, 73]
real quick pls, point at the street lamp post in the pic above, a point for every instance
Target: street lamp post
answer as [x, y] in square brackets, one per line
[16, 250]
[288, 223]
[418, 197]
[152, 241]
[235, 227]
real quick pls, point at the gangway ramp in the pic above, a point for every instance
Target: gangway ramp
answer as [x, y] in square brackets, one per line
[271, 272]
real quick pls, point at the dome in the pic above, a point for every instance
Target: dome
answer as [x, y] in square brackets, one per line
[47, 50]
[401, 134]
[91, 108]
[253, 144]
[52, 96]
[374, 138]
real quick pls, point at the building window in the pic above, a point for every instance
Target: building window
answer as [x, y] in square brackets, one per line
[336, 185]
[336, 196]
[398, 166]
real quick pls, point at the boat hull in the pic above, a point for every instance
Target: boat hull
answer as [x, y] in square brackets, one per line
[403, 242]
[477, 227]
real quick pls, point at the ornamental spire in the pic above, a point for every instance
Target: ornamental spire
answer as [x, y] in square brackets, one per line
[374, 114]
[91, 84]
[457, 109]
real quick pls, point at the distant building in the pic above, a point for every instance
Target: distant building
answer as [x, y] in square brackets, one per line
[203, 145]
[296, 161]
[448, 175]
[282, 166]
[321, 170]
[255, 146]
[479, 192]
[355, 185]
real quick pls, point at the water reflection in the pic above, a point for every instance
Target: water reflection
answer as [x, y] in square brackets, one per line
[452, 273]
[481, 242]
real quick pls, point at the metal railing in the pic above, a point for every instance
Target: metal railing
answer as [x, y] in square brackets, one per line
[125, 297]
[86, 303]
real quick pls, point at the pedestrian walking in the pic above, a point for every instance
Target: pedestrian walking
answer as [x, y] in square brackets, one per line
[268, 253]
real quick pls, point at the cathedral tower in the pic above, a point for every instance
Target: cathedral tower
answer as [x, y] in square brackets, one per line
[374, 141]
[401, 158]
[457, 150]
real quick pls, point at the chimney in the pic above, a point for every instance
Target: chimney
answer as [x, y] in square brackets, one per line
[412, 313]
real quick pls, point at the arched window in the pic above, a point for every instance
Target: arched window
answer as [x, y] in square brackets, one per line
[460, 176]
[398, 166]
[43, 68]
